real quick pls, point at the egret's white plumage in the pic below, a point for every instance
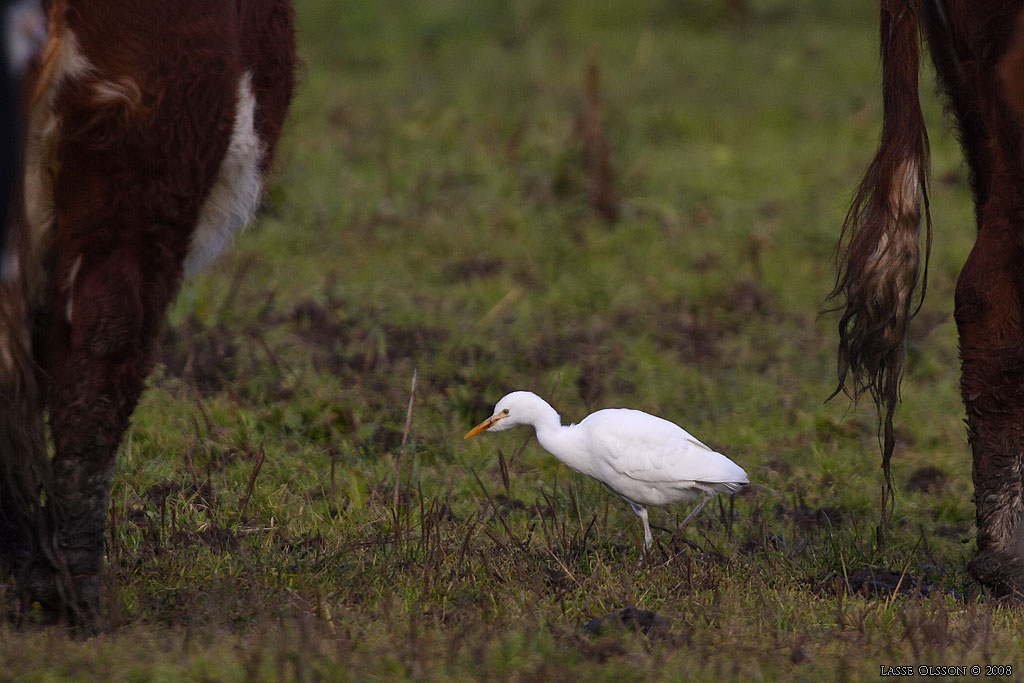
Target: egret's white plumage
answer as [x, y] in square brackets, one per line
[643, 458]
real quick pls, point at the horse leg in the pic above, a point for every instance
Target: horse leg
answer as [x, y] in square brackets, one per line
[990, 320]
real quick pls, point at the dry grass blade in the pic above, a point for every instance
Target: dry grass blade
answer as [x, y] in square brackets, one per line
[903, 574]
[334, 462]
[239, 275]
[280, 366]
[583, 541]
[503, 468]
[522, 447]
[405, 437]
[473, 523]
[260, 454]
[487, 494]
[596, 149]
[207, 420]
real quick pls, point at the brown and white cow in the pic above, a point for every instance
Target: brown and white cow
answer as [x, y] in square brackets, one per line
[149, 128]
[978, 51]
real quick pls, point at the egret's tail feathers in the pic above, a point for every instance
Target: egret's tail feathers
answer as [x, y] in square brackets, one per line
[724, 486]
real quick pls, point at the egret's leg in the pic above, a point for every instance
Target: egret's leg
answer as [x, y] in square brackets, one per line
[641, 512]
[700, 506]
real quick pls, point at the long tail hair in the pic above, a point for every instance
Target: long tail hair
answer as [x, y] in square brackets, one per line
[879, 264]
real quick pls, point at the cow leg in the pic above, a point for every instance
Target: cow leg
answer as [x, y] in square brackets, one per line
[102, 324]
[990, 320]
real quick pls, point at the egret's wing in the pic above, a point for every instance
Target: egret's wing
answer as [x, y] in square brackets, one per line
[650, 449]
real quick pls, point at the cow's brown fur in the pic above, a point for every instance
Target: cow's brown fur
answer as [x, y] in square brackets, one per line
[132, 108]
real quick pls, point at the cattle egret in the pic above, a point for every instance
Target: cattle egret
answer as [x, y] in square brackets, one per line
[644, 459]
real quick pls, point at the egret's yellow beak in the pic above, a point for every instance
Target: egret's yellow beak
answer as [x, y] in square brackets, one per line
[484, 426]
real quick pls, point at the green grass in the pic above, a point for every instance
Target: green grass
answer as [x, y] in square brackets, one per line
[429, 213]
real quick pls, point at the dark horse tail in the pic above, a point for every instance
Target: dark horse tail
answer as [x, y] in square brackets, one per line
[879, 255]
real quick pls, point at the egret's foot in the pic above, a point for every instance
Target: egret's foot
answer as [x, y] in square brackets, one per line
[648, 544]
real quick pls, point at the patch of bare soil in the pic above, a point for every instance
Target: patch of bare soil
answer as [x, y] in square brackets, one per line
[205, 357]
[358, 344]
[809, 519]
[630, 619]
[700, 333]
[885, 582]
[472, 268]
[159, 492]
[592, 348]
[928, 479]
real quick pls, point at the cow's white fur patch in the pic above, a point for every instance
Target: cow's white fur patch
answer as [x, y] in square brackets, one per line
[235, 194]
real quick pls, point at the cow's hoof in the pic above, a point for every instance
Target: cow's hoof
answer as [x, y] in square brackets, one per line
[70, 600]
[1001, 572]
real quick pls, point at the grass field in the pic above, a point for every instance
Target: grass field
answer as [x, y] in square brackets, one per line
[431, 214]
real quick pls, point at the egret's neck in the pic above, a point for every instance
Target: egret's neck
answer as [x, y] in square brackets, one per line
[545, 420]
[562, 441]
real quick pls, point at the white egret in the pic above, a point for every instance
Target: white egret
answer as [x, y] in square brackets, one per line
[644, 459]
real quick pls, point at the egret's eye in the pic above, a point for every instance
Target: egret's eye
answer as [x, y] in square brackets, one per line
[505, 412]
